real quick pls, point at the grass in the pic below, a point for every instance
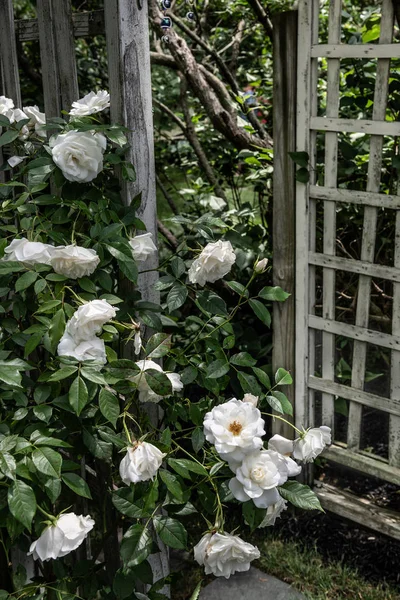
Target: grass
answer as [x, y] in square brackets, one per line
[307, 572]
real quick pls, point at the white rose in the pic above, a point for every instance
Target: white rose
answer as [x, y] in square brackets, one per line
[6, 104]
[89, 319]
[308, 447]
[63, 537]
[274, 511]
[261, 265]
[28, 253]
[250, 398]
[15, 115]
[142, 246]
[223, 554]
[93, 102]
[214, 202]
[258, 476]
[37, 119]
[79, 154]
[146, 394]
[235, 428]
[285, 448]
[137, 342]
[214, 262]
[74, 261]
[140, 463]
[14, 161]
[92, 349]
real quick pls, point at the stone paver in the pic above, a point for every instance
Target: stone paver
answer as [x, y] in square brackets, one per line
[252, 585]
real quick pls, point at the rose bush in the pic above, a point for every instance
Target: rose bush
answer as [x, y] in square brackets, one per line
[84, 360]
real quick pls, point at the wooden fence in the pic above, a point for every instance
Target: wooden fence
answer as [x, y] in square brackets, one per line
[310, 328]
[125, 25]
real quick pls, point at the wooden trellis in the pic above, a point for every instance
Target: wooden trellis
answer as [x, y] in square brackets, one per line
[307, 258]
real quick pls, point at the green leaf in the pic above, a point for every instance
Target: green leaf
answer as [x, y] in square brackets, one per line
[260, 311]
[249, 384]
[109, 406]
[78, 395]
[63, 373]
[300, 495]
[8, 465]
[171, 532]
[10, 376]
[158, 382]
[287, 408]
[283, 377]
[77, 484]
[262, 377]
[183, 465]
[274, 404]
[47, 461]
[32, 343]
[196, 592]
[211, 303]
[123, 584]
[22, 503]
[158, 345]
[8, 137]
[300, 158]
[123, 500]
[43, 412]
[136, 545]
[273, 293]
[93, 375]
[198, 439]
[303, 175]
[252, 515]
[238, 288]
[188, 374]
[172, 483]
[178, 266]
[243, 359]
[57, 327]
[176, 296]
[218, 368]
[10, 266]
[26, 280]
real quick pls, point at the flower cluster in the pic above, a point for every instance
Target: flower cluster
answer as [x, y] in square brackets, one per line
[80, 340]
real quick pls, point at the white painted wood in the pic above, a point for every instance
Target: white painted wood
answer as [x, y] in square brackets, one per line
[329, 226]
[85, 24]
[48, 57]
[360, 461]
[302, 224]
[355, 266]
[356, 126]
[356, 332]
[391, 406]
[356, 51]
[8, 53]
[355, 197]
[360, 510]
[394, 421]
[369, 226]
[65, 51]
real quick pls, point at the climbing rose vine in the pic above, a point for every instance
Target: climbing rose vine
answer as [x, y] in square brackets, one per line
[127, 424]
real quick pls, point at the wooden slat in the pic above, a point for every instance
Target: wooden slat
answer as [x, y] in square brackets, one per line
[369, 226]
[360, 510]
[48, 57]
[356, 50]
[371, 465]
[355, 332]
[355, 266]
[329, 220]
[355, 197]
[387, 405]
[8, 53]
[394, 421]
[391, 128]
[283, 235]
[302, 224]
[85, 24]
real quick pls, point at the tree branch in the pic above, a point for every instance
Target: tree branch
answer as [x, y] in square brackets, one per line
[167, 195]
[262, 16]
[169, 236]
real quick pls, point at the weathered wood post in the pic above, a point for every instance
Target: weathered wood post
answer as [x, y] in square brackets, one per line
[128, 49]
[283, 232]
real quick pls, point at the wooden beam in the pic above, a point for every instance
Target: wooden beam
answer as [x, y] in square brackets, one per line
[320, 192]
[357, 509]
[355, 51]
[283, 233]
[363, 462]
[86, 24]
[382, 403]
[8, 54]
[354, 332]
[391, 128]
[354, 266]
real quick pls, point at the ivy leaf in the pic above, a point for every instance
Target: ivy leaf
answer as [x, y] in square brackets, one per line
[158, 382]
[47, 461]
[22, 503]
[158, 345]
[136, 545]
[283, 377]
[77, 484]
[300, 495]
[78, 395]
[109, 406]
[273, 293]
[260, 311]
[171, 532]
